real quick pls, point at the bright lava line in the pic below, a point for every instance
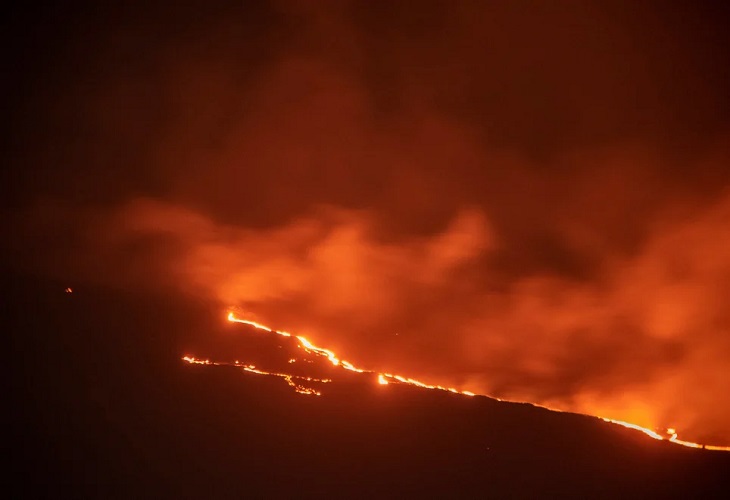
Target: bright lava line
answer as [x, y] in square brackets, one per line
[388, 378]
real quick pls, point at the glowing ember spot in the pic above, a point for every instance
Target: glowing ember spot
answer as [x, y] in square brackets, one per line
[294, 381]
[69, 290]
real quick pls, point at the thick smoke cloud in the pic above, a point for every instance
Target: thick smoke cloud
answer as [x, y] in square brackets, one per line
[525, 201]
[645, 339]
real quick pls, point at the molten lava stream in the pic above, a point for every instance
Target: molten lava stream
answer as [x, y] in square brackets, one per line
[298, 383]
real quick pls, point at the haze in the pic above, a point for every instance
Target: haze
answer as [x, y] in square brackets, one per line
[522, 199]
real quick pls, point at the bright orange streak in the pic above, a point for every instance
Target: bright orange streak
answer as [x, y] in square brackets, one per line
[332, 357]
[301, 389]
[387, 378]
[628, 425]
[69, 290]
[671, 439]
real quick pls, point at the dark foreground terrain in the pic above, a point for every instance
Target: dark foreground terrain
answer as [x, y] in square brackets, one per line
[101, 405]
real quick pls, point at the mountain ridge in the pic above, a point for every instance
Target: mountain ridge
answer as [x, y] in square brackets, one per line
[103, 405]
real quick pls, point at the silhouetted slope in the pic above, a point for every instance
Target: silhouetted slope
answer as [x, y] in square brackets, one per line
[103, 406]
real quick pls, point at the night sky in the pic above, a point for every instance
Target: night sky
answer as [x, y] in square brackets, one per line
[529, 200]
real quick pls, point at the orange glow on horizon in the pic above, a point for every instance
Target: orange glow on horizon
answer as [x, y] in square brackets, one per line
[388, 378]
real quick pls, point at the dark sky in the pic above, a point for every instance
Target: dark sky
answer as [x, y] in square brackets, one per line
[534, 195]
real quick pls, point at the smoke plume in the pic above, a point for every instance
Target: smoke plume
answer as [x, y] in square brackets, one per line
[531, 202]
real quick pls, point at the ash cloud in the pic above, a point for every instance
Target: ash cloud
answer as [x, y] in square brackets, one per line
[534, 199]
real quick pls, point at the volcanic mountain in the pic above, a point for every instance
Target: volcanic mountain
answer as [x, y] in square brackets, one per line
[102, 404]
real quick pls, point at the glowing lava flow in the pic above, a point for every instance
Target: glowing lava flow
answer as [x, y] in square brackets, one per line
[290, 379]
[388, 378]
[383, 378]
[672, 433]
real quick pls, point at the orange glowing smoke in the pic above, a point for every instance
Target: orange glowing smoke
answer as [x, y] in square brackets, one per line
[624, 343]
[295, 382]
[575, 260]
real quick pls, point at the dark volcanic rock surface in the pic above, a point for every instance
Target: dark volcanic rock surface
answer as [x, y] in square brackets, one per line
[102, 405]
